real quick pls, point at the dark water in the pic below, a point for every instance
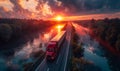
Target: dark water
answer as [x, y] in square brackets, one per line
[101, 59]
[22, 51]
[19, 53]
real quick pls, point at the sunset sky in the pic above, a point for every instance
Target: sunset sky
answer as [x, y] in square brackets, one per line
[71, 9]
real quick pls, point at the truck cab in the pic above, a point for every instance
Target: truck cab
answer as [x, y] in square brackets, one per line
[54, 46]
[51, 51]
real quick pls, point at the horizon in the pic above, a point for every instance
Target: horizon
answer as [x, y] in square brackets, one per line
[70, 10]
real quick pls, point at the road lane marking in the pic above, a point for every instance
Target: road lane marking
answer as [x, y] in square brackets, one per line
[60, 54]
[66, 57]
[40, 64]
[58, 59]
[48, 69]
[67, 53]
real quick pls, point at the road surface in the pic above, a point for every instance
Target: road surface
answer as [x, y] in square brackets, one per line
[60, 64]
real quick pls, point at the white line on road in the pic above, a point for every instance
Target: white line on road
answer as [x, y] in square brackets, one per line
[58, 59]
[47, 69]
[40, 64]
[66, 57]
[67, 54]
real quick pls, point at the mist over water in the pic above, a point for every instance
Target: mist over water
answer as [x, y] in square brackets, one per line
[93, 51]
[24, 53]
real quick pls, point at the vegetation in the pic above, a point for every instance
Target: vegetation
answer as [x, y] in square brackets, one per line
[12, 29]
[77, 60]
[107, 29]
[5, 32]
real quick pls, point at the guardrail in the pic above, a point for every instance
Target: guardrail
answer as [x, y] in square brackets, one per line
[33, 66]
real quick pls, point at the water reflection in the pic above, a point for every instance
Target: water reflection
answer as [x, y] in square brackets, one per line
[29, 48]
[96, 59]
[25, 50]
[93, 52]
[24, 53]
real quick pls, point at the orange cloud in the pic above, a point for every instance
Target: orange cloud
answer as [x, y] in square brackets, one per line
[89, 17]
[30, 5]
[7, 5]
[38, 9]
[58, 3]
[46, 9]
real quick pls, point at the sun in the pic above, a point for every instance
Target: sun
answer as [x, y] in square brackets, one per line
[59, 18]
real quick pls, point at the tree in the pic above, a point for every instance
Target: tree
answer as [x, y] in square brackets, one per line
[5, 32]
[118, 43]
[78, 51]
[93, 21]
[17, 29]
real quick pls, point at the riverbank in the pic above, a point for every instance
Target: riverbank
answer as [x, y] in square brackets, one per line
[105, 44]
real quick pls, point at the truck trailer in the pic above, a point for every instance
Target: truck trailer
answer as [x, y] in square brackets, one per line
[54, 46]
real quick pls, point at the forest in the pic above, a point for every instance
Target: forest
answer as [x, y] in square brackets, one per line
[106, 29]
[12, 29]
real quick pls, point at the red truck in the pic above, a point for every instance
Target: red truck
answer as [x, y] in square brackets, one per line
[54, 45]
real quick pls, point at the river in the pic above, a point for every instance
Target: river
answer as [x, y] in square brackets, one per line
[22, 51]
[95, 53]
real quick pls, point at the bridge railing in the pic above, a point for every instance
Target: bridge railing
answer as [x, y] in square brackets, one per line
[34, 65]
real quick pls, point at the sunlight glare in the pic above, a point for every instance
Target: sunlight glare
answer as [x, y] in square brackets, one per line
[59, 27]
[59, 18]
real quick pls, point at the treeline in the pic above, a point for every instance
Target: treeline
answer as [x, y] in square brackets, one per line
[15, 28]
[106, 29]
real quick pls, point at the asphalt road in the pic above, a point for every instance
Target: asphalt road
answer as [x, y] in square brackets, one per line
[60, 64]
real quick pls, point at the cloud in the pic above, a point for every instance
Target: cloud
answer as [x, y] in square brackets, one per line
[17, 7]
[91, 6]
[44, 8]
[49, 8]
[3, 13]
[28, 9]
[6, 4]
[91, 16]
[29, 5]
